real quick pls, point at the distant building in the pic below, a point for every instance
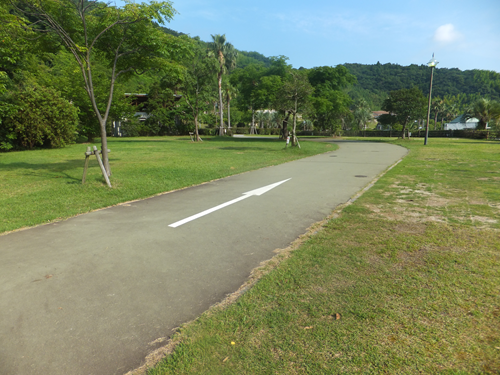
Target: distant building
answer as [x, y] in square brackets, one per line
[140, 101]
[461, 123]
[376, 115]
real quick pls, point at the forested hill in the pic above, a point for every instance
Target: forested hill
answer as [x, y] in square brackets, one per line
[244, 58]
[375, 81]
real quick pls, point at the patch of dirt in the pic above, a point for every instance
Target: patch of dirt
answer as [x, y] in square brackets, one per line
[416, 258]
[373, 208]
[477, 201]
[406, 201]
[438, 219]
[414, 228]
[437, 201]
[484, 220]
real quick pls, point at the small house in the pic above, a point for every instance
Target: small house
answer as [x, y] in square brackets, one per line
[461, 123]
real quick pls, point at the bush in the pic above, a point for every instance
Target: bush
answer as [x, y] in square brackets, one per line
[39, 117]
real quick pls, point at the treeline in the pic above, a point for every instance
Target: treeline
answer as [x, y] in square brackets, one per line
[58, 83]
[377, 80]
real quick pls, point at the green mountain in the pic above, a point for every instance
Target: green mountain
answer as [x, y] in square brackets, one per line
[375, 81]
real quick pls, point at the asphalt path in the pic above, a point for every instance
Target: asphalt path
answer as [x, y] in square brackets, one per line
[89, 295]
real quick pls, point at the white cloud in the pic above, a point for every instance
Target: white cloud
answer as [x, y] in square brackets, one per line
[446, 34]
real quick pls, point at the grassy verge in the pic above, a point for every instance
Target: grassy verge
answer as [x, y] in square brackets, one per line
[41, 186]
[406, 280]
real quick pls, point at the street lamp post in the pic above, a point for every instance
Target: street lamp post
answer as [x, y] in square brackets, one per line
[432, 64]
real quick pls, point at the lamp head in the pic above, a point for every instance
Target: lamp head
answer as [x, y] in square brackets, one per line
[432, 63]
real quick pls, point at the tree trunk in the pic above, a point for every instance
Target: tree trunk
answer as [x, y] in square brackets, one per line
[252, 127]
[221, 113]
[285, 125]
[294, 132]
[104, 148]
[196, 134]
[404, 129]
[228, 114]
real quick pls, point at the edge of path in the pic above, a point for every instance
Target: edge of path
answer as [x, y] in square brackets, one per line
[265, 267]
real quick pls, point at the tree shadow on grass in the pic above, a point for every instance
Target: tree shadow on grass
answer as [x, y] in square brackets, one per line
[243, 148]
[55, 167]
[126, 140]
[53, 170]
[49, 167]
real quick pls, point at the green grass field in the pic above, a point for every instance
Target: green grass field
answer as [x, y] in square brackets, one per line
[41, 186]
[406, 280]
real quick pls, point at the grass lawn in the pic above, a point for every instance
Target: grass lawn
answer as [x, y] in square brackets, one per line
[42, 186]
[406, 280]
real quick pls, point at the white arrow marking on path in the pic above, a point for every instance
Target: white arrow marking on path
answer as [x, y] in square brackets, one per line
[246, 195]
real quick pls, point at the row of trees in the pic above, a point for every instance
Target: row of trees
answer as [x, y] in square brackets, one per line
[81, 56]
[104, 43]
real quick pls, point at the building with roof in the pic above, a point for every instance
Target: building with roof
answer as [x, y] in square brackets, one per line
[461, 123]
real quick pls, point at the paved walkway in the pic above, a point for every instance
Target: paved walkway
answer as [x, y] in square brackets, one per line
[88, 295]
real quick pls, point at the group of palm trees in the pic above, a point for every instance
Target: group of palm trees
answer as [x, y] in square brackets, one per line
[443, 111]
[268, 119]
[485, 110]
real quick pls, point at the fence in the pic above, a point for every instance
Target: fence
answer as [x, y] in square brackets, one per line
[466, 133]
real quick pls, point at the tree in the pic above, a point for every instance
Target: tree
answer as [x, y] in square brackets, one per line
[197, 85]
[230, 93]
[61, 72]
[405, 105]
[126, 38]
[437, 107]
[484, 110]
[330, 101]
[362, 114]
[226, 55]
[294, 95]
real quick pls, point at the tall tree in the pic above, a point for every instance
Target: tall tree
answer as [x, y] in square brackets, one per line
[437, 108]
[230, 93]
[405, 105]
[197, 90]
[330, 101]
[294, 96]
[362, 114]
[226, 54]
[484, 110]
[125, 37]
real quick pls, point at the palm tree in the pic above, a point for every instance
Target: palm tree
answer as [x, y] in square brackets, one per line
[437, 107]
[226, 54]
[484, 110]
[450, 111]
[230, 92]
[362, 114]
[276, 119]
[260, 116]
[267, 119]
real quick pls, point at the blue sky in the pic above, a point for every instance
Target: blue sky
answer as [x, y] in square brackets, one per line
[463, 34]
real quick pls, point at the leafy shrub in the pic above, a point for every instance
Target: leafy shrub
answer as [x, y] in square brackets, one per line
[39, 116]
